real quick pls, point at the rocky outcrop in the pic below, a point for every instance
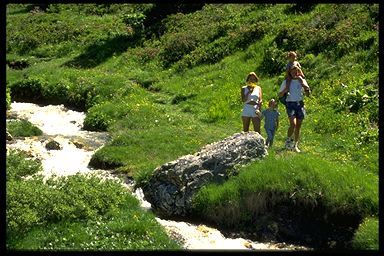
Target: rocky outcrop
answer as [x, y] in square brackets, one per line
[53, 145]
[172, 185]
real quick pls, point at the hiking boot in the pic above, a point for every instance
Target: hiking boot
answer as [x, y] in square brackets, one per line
[289, 144]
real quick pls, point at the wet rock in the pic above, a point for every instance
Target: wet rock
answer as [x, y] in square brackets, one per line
[78, 144]
[53, 145]
[172, 185]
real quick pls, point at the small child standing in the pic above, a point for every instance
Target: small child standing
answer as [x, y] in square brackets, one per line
[271, 123]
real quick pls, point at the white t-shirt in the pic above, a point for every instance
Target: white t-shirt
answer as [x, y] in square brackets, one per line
[295, 90]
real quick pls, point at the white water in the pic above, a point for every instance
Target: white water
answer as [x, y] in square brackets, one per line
[64, 126]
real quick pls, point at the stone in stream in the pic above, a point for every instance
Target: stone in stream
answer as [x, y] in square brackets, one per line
[172, 185]
[53, 145]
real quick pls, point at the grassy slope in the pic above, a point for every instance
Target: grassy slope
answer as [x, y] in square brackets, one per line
[158, 114]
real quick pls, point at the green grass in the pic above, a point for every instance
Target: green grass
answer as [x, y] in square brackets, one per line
[367, 235]
[22, 128]
[79, 212]
[301, 179]
[160, 97]
[128, 229]
[19, 166]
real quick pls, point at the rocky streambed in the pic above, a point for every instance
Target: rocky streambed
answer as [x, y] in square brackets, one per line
[66, 149]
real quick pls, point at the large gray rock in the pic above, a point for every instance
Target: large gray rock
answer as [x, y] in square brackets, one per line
[172, 185]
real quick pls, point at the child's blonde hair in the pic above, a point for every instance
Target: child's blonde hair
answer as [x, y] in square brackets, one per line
[292, 54]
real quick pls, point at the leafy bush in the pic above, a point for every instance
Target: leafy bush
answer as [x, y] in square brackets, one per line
[135, 21]
[96, 121]
[291, 37]
[22, 128]
[29, 89]
[175, 46]
[32, 202]
[274, 61]
[18, 166]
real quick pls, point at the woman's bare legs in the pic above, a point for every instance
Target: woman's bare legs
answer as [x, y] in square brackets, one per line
[256, 124]
[246, 123]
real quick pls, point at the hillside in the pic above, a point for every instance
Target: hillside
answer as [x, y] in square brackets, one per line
[165, 83]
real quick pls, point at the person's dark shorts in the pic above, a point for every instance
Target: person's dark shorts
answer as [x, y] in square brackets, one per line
[296, 109]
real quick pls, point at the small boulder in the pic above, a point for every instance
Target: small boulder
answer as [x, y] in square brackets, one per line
[53, 145]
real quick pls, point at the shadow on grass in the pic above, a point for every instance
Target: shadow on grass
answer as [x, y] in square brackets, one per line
[101, 51]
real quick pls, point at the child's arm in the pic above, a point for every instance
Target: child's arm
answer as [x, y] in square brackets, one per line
[301, 73]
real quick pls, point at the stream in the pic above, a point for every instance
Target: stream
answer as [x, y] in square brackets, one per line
[77, 147]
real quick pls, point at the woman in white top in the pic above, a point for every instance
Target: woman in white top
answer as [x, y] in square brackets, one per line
[294, 106]
[251, 95]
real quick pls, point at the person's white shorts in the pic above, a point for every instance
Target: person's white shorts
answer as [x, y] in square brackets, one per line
[249, 110]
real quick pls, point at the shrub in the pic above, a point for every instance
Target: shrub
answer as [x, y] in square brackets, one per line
[273, 61]
[96, 121]
[33, 203]
[175, 46]
[367, 235]
[291, 37]
[100, 116]
[22, 128]
[29, 90]
[135, 21]
[18, 166]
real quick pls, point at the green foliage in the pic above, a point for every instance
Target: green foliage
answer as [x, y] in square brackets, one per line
[102, 58]
[135, 21]
[29, 89]
[19, 166]
[22, 128]
[70, 212]
[130, 229]
[274, 60]
[303, 181]
[95, 120]
[8, 98]
[69, 198]
[367, 235]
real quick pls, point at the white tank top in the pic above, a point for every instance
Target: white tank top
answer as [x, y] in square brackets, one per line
[254, 96]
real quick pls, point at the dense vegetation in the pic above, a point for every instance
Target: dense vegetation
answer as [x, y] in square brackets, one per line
[165, 84]
[76, 212]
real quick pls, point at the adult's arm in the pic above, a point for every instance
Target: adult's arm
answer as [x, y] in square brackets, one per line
[260, 97]
[304, 84]
[244, 96]
[283, 88]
